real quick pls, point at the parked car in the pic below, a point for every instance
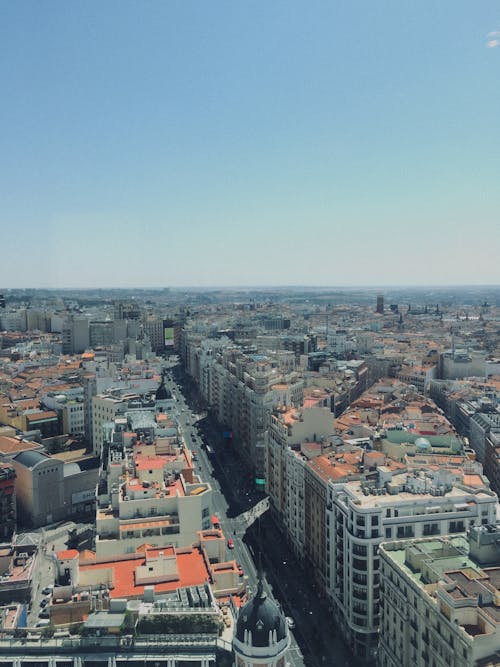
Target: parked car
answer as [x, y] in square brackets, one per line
[47, 590]
[44, 614]
[241, 572]
[290, 622]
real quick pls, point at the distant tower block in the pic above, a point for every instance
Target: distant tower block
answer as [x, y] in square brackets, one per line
[380, 303]
[2, 301]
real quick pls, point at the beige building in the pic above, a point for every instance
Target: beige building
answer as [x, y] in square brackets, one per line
[50, 490]
[150, 498]
[242, 390]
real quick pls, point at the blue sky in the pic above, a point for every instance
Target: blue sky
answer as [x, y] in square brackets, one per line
[249, 143]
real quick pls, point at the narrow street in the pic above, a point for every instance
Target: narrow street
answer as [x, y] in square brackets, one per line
[259, 543]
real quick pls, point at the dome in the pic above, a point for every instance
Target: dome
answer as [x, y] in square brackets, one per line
[260, 616]
[422, 443]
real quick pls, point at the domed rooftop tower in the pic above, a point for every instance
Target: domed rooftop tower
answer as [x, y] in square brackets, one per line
[262, 636]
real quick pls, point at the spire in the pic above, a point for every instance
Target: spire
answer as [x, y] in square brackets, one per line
[261, 593]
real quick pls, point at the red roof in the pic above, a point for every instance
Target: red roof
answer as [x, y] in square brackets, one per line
[145, 463]
[68, 554]
[191, 567]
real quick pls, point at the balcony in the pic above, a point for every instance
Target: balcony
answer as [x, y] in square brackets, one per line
[359, 565]
[359, 594]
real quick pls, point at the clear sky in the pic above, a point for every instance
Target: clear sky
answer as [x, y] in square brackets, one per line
[166, 143]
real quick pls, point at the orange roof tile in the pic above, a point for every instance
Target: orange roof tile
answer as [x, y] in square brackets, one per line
[68, 554]
[191, 567]
[150, 463]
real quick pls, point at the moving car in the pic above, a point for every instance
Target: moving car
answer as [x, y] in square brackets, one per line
[290, 622]
[230, 544]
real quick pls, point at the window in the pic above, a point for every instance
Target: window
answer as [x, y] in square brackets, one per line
[431, 529]
[457, 527]
[406, 531]
[388, 532]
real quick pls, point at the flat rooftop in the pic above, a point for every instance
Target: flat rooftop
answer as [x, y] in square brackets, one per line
[191, 568]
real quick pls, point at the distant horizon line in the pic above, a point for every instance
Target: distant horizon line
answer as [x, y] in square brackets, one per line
[260, 287]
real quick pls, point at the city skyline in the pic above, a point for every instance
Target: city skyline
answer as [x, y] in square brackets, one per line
[184, 145]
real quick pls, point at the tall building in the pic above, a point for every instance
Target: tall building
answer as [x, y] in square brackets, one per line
[242, 389]
[361, 515]
[101, 333]
[75, 335]
[440, 598]
[127, 310]
[380, 304]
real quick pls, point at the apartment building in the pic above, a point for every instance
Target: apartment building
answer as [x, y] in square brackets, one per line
[418, 374]
[492, 460]
[69, 404]
[150, 497]
[7, 500]
[285, 467]
[242, 388]
[390, 505]
[439, 604]
[481, 425]
[462, 363]
[75, 334]
[105, 408]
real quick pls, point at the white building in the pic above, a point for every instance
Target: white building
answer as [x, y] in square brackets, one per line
[289, 428]
[150, 499]
[439, 605]
[463, 363]
[361, 515]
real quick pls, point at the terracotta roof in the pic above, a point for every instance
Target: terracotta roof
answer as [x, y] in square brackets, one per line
[68, 554]
[150, 463]
[190, 566]
[10, 445]
[145, 524]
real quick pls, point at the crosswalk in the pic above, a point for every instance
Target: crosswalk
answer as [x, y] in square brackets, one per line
[250, 516]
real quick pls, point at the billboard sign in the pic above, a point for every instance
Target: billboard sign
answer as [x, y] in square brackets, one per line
[168, 336]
